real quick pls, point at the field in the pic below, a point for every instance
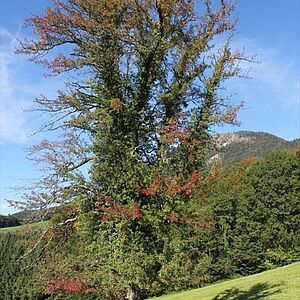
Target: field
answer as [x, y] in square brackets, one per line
[23, 227]
[281, 283]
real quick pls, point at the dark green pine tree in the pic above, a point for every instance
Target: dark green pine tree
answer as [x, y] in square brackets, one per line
[17, 269]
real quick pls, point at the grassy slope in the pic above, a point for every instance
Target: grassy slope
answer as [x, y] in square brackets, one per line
[22, 227]
[281, 283]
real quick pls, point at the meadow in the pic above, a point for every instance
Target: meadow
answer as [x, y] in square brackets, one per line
[279, 284]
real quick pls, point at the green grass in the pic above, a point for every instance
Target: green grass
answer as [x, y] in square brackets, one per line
[23, 227]
[281, 283]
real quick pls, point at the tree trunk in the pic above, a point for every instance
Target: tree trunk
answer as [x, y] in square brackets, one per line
[133, 293]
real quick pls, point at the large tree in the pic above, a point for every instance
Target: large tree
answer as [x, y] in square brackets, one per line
[137, 116]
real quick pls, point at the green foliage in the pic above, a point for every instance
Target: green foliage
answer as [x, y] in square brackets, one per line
[256, 206]
[24, 228]
[129, 261]
[255, 209]
[148, 256]
[16, 281]
[138, 123]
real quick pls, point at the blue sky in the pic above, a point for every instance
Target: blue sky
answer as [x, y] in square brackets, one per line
[268, 28]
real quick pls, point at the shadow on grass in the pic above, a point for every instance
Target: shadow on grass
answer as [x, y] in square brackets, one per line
[256, 292]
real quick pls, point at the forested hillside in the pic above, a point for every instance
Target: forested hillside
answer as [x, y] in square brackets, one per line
[9, 221]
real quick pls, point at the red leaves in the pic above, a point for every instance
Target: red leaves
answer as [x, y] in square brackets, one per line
[196, 221]
[74, 286]
[137, 212]
[187, 188]
[152, 190]
[115, 210]
[171, 133]
[173, 218]
[59, 64]
[55, 285]
[170, 186]
[199, 220]
[176, 135]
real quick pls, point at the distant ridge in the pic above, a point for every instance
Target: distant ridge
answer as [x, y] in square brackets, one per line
[22, 215]
[235, 146]
[34, 215]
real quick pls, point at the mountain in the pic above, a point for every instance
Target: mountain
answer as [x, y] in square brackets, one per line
[235, 146]
[22, 215]
[34, 215]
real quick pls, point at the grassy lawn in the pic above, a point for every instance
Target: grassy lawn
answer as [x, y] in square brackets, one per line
[23, 227]
[281, 283]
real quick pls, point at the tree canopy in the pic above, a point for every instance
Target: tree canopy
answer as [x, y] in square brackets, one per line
[134, 124]
[146, 88]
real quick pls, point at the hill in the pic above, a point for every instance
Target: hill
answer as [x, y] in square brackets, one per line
[233, 147]
[34, 215]
[278, 284]
[22, 215]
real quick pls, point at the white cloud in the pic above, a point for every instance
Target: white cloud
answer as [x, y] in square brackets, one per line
[276, 72]
[4, 205]
[20, 83]
[276, 76]
[13, 97]
[5, 209]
